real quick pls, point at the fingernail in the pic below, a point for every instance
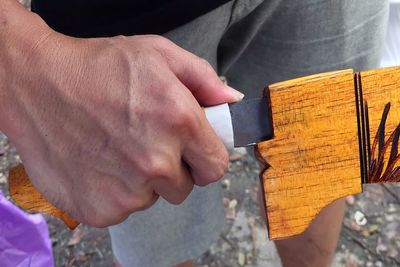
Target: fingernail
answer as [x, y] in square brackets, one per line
[236, 94]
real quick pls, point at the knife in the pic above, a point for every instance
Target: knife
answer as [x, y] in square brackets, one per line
[239, 124]
[320, 138]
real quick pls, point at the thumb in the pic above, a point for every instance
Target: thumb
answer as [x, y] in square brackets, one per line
[199, 77]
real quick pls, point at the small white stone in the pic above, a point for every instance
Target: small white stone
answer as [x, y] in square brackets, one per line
[233, 203]
[360, 219]
[390, 218]
[391, 208]
[3, 178]
[241, 259]
[226, 184]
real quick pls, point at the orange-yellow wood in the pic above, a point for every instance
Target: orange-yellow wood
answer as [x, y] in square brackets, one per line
[314, 155]
[27, 197]
[379, 88]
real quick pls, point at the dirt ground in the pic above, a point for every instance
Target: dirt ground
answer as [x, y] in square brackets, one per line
[370, 234]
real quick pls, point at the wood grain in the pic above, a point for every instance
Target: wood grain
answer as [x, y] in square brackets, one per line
[314, 155]
[380, 87]
[25, 195]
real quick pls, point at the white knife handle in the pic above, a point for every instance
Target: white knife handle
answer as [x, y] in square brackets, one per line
[220, 120]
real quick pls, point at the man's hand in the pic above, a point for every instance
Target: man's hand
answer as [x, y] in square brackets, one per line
[105, 126]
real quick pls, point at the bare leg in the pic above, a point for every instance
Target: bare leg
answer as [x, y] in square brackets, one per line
[317, 245]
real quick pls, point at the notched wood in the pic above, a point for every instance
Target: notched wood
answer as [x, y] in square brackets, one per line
[314, 156]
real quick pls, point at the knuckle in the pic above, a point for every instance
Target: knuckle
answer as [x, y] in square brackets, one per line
[185, 119]
[209, 177]
[182, 189]
[182, 197]
[124, 204]
[224, 160]
[125, 199]
[154, 166]
[158, 168]
[216, 175]
[178, 195]
[138, 201]
[178, 199]
[147, 204]
[223, 164]
[130, 204]
[103, 212]
[182, 118]
[206, 66]
[213, 174]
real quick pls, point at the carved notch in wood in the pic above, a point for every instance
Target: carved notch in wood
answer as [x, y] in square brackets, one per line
[314, 157]
[322, 147]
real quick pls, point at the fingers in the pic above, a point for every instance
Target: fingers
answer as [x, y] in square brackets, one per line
[176, 186]
[201, 148]
[115, 199]
[205, 154]
[198, 76]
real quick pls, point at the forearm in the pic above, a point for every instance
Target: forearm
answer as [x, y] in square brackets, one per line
[20, 32]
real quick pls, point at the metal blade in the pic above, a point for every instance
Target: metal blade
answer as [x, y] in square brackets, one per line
[251, 121]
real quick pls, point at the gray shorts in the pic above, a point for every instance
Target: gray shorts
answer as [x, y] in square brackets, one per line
[253, 43]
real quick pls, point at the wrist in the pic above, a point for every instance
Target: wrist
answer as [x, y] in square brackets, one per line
[20, 34]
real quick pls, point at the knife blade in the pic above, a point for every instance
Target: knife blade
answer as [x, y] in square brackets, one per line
[242, 124]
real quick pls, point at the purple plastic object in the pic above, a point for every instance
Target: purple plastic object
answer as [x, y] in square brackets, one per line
[24, 238]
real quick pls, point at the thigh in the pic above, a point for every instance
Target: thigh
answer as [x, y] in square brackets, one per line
[283, 39]
[203, 35]
[165, 234]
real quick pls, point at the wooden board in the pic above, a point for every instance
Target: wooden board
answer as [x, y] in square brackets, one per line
[380, 89]
[314, 156]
